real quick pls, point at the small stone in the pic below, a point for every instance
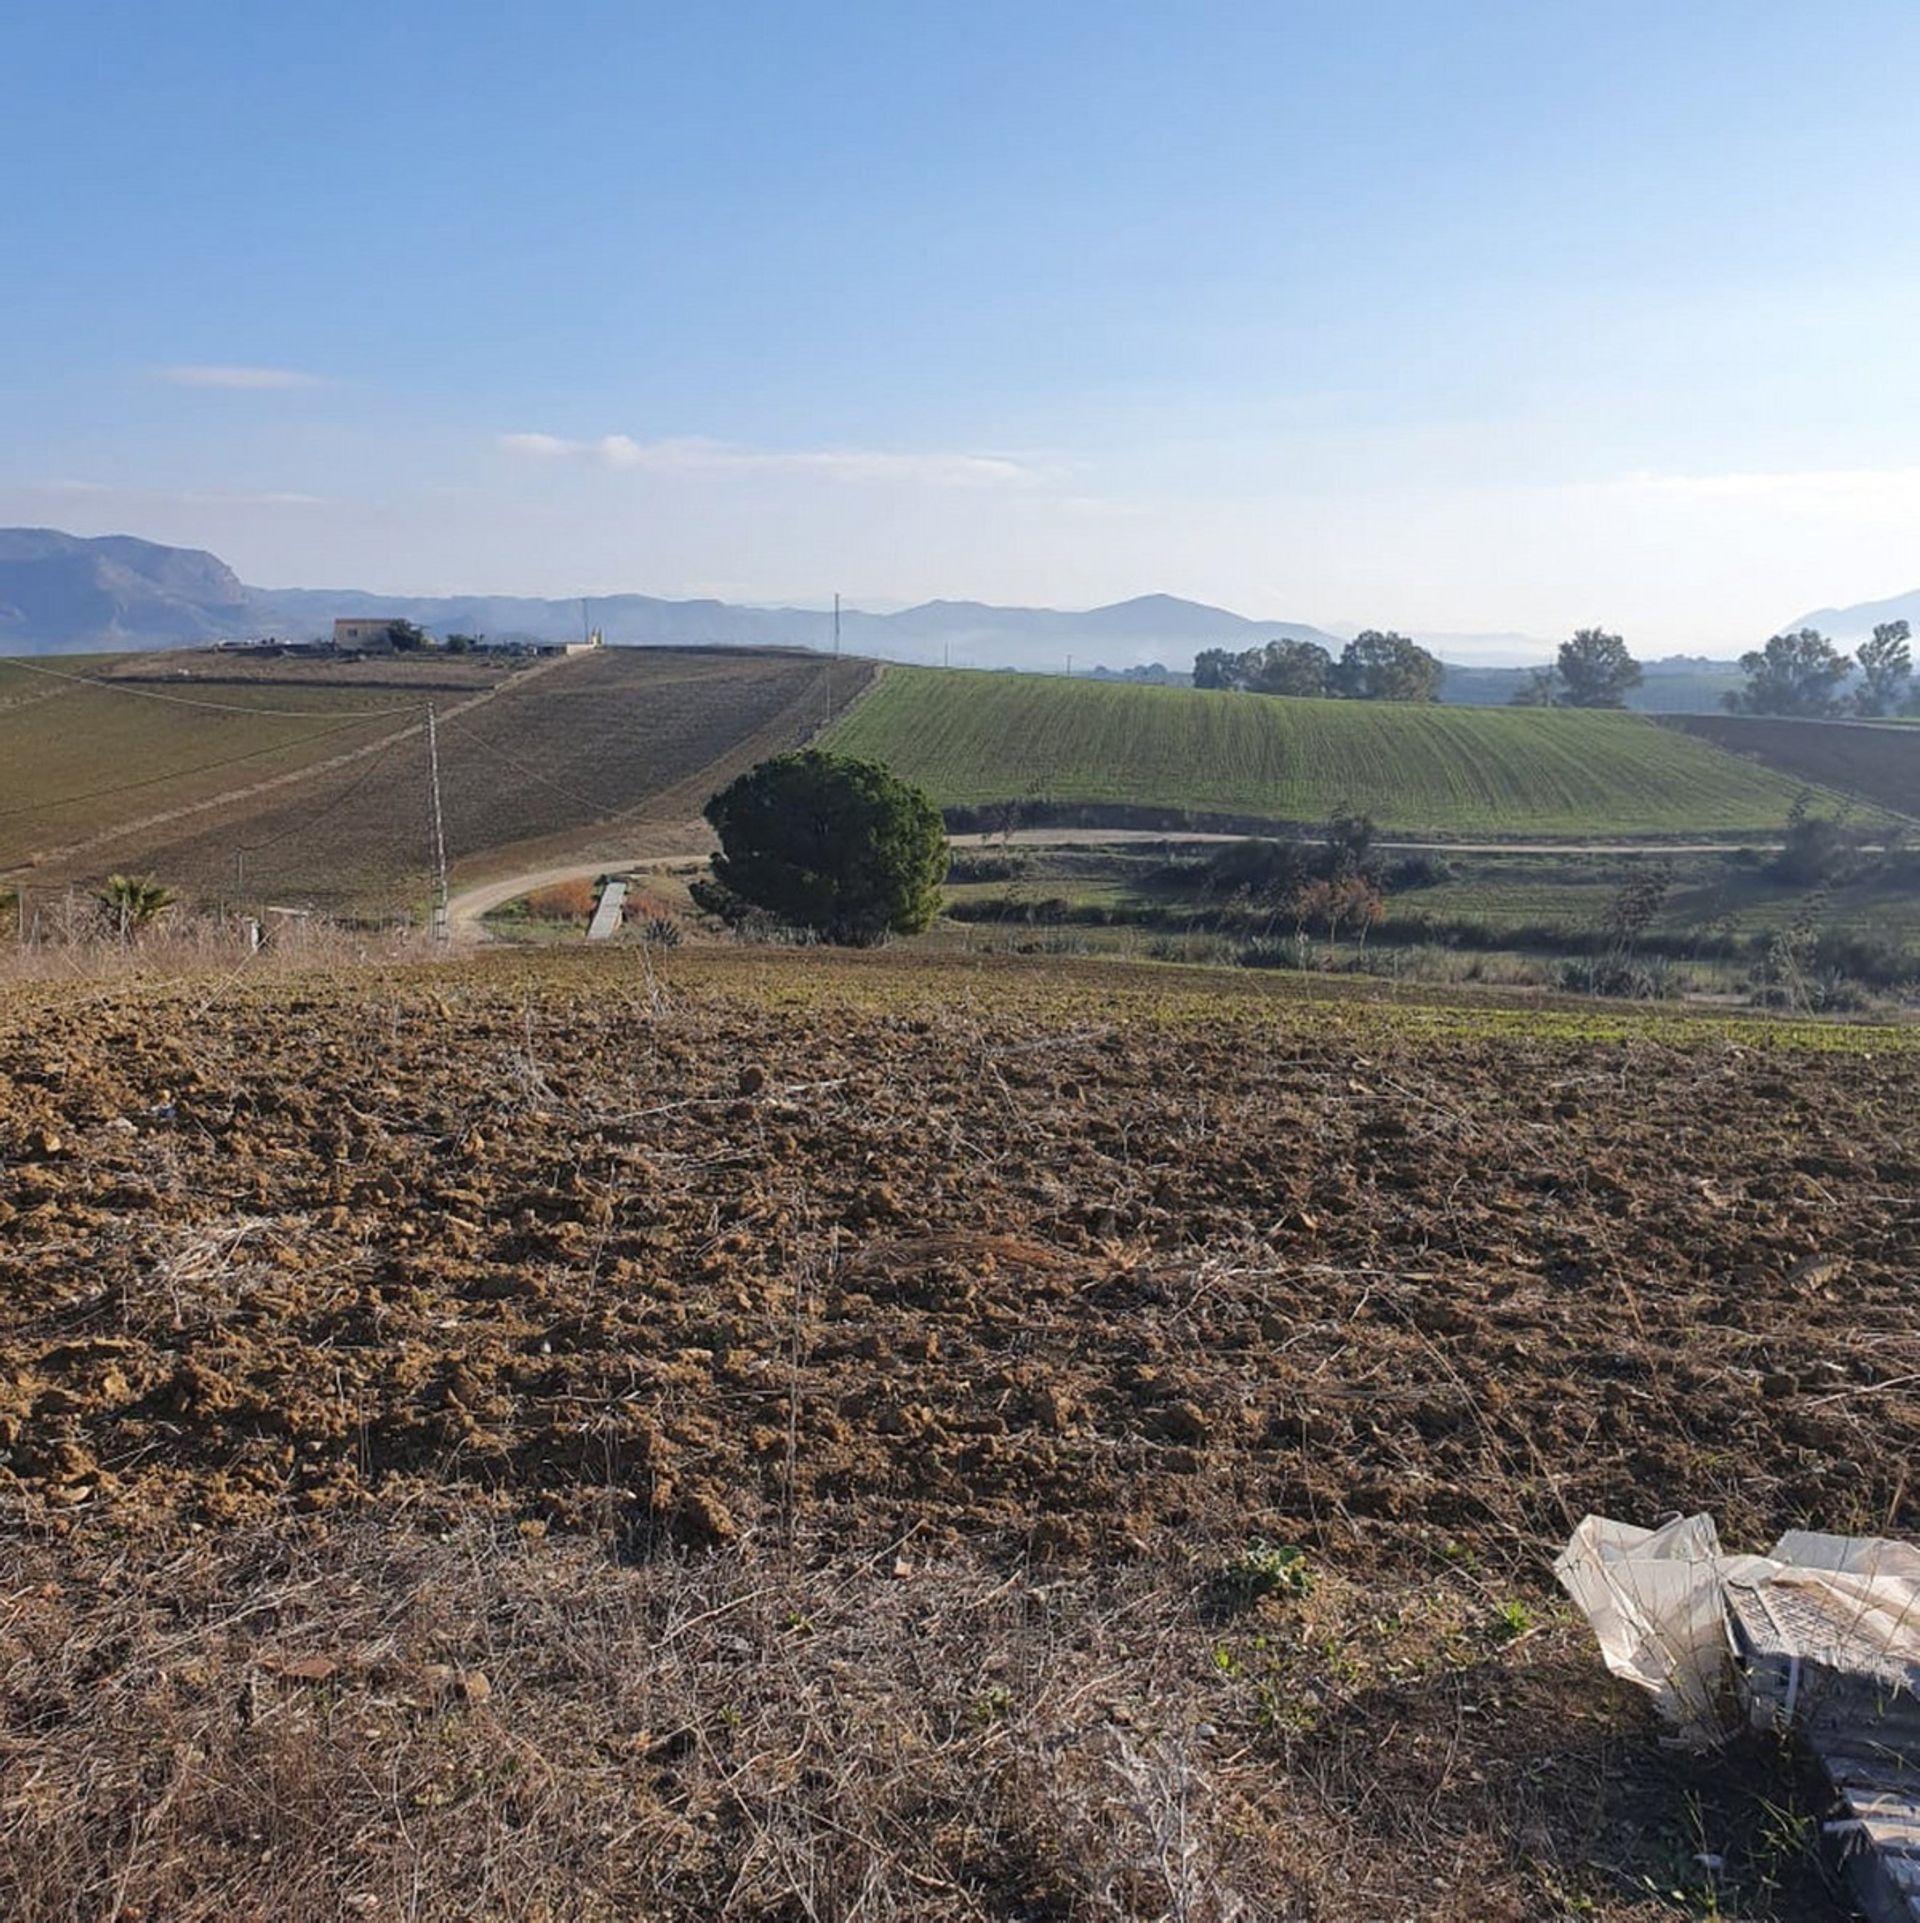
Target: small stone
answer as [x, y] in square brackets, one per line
[1181, 1421]
[1816, 1271]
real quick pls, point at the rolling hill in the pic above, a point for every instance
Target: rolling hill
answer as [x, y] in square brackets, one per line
[306, 783]
[974, 739]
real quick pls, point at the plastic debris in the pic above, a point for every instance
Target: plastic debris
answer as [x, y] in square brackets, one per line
[1819, 1639]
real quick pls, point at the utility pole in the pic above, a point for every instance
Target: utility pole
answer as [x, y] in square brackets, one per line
[442, 926]
[833, 671]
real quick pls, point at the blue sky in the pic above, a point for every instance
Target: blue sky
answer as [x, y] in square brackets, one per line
[1456, 317]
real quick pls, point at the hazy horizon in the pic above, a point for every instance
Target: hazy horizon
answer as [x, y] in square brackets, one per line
[1465, 321]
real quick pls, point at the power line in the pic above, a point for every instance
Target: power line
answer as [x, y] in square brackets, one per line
[215, 707]
[182, 774]
[599, 806]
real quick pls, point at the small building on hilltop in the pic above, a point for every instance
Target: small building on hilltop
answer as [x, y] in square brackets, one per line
[381, 634]
[358, 636]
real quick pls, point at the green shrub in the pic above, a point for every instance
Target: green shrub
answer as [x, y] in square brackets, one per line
[1263, 1569]
[839, 847]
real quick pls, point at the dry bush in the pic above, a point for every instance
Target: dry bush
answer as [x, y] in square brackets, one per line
[73, 945]
[652, 919]
[563, 901]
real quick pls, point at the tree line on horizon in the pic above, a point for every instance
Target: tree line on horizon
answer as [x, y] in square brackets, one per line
[1798, 674]
[1804, 674]
[1377, 665]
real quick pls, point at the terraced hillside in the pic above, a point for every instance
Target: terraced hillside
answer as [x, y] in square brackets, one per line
[1876, 762]
[973, 739]
[309, 784]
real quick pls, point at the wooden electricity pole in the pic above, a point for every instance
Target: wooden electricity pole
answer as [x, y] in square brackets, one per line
[442, 924]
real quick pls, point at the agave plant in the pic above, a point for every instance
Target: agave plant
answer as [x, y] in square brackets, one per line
[130, 902]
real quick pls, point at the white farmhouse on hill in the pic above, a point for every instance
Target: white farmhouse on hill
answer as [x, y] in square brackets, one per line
[364, 636]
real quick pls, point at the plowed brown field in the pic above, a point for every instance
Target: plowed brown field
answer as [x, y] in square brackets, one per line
[882, 1268]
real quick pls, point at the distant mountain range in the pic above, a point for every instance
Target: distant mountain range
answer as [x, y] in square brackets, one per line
[1857, 623]
[58, 592]
[62, 593]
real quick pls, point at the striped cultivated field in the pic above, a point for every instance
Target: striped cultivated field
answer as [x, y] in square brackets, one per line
[1875, 762]
[972, 739]
[306, 782]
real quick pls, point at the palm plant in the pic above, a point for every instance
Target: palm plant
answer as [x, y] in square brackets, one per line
[130, 902]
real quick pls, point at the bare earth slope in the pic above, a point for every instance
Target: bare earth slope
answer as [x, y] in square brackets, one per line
[332, 811]
[1877, 763]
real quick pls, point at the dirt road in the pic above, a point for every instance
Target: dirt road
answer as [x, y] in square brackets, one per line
[670, 844]
[1086, 837]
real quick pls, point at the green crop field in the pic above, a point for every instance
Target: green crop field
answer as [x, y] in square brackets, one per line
[973, 738]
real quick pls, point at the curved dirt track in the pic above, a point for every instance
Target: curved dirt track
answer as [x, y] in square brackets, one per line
[466, 908]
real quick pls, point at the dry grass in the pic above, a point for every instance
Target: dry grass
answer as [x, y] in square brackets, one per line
[390, 1719]
[68, 944]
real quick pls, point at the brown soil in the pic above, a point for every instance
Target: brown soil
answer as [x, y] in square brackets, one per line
[873, 1263]
[973, 1270]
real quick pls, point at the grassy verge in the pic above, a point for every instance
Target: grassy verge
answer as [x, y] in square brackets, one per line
[1720, 918]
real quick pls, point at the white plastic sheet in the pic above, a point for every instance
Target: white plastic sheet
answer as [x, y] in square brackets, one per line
[1655, 1601]
[1658, 1603]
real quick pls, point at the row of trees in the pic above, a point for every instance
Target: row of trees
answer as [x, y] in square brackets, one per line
[1593, 670]
[1374, 666]
[1805, 674]
[1794, 674]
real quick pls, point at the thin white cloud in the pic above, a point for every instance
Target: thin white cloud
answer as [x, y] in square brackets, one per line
[1876, 495]
[700, 456]
[170, 497]
[253, 379]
